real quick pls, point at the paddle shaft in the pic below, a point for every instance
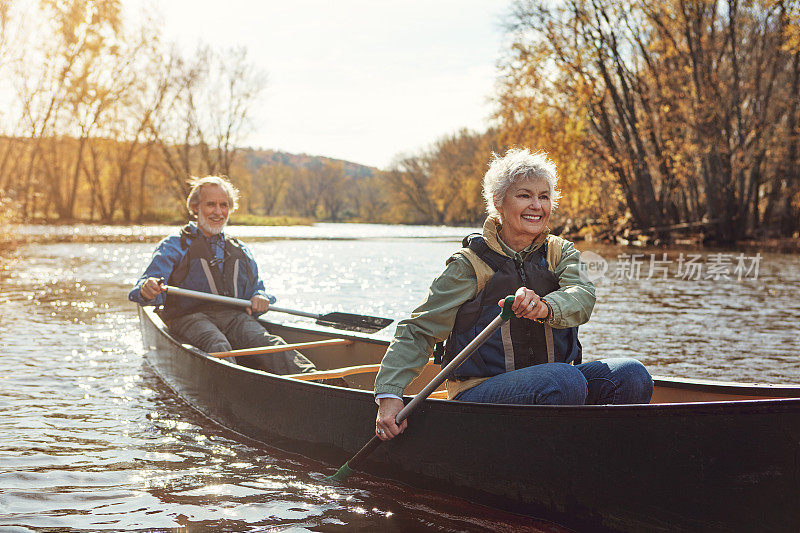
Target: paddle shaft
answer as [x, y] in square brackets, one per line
[231, 301]
[482, 337]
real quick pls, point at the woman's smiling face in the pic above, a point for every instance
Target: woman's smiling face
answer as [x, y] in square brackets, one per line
[524, 212]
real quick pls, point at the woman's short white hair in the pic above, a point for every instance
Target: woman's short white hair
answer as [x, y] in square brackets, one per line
[518, 164]
[197, 184]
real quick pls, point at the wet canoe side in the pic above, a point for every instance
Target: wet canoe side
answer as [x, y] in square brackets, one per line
[661, 467]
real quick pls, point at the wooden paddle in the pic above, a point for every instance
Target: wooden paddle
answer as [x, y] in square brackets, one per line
[346, 469]
[346, 321]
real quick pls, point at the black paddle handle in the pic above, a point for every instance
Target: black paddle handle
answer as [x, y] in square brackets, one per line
[355, 462]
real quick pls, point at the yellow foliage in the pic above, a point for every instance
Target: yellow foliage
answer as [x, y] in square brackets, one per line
[668, 110]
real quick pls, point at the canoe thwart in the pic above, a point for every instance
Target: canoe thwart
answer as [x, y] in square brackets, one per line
[335, 373]
[341, 372]
[283, 347]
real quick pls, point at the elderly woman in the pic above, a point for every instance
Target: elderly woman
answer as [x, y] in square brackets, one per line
[534, 358]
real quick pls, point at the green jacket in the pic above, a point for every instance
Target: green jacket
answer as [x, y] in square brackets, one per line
[432, 321]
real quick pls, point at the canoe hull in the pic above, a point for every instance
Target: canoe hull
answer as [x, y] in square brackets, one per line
[661, 467]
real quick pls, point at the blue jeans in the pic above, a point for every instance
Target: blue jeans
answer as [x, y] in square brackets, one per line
[607, 381]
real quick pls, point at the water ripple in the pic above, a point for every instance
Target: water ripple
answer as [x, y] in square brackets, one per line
[91, 440]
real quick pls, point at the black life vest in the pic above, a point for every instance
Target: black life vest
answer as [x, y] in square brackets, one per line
[199, 270]
[520, 342]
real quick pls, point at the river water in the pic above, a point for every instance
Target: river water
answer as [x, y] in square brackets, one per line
[91, 440]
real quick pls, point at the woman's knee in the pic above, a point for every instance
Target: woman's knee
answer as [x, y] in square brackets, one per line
[565, 385]
[636, 383]
[545, 384]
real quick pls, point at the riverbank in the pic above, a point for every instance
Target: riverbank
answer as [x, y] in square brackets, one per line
[698, 242]
[11, 238]
[691, 236]
[14, 236]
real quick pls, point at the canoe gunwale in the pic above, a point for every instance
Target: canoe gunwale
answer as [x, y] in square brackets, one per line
[727, 387]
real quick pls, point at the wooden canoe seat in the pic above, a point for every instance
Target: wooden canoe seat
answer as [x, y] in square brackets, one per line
[283, 347]
[339, 372]
[334, 373]
[353, 370]
[349, 371]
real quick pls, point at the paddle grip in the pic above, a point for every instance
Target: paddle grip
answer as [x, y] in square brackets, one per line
[507, 312]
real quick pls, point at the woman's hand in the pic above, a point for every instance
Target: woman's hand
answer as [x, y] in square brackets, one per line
[385, 428]
[528, 304]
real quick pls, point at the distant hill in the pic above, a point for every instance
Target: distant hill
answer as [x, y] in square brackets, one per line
[254, 158]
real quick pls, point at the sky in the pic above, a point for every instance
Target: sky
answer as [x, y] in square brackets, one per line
[363, 81]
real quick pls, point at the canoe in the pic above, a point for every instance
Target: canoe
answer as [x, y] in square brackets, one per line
[703, 456]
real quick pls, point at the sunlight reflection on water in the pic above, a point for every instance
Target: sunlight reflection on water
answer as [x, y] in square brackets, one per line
[91, 439]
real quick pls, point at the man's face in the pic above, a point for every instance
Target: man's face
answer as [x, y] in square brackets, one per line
[212, 212]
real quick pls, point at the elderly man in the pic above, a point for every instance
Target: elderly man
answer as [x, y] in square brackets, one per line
[202, 258]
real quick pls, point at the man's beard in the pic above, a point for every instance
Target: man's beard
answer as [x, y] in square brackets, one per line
[207, 227]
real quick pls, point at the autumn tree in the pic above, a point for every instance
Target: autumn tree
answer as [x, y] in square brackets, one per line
[542, 115]
[782, 180]
[442, 185]
[304, 195]
[679, 100]
[270, 183]
[458, 164]
[201, 127]
[334, 187]
[371, 200]
[119, 156]
[64, 92]
[407, 182]
[10, 149]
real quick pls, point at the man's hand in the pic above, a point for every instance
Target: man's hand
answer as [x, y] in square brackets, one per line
[385, 427]
[258, 304]
[151, 288]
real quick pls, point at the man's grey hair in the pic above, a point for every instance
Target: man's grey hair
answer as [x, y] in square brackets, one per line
[197, 185]
[518, 164]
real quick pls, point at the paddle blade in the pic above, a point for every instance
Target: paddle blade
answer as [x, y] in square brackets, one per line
[342, 474]
[351, 322]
